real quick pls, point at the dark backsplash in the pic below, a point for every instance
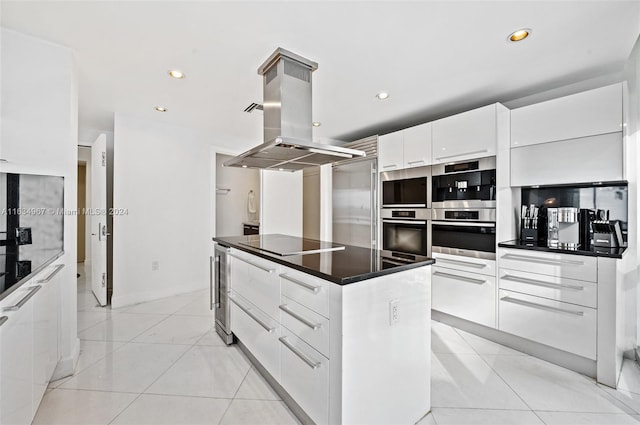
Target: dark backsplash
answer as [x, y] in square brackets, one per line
[612, 198]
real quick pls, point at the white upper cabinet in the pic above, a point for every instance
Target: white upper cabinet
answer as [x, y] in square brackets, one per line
[417, 146]
[589, 113]
[406, 148]
[468, 135]
[391, 151]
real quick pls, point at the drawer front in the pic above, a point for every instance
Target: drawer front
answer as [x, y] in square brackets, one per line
[258, 332]
[466, 264]
[305, 376]
[469, 296]
[311, 292]
[565, 326]
[306, 324]
[561, 265]
[257, 281]
[566, 290]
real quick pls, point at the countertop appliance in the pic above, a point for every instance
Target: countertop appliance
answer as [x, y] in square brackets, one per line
[405, 214]
[219, 280]
[563, 229]
[355, 197]
[284, 245]
[288, 120]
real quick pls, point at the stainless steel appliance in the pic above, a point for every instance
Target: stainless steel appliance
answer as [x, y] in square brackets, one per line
[470, 184]
[406, 230]
[468, 232]
[407, 188]
[287, 119]
[355, 197]
[563, 228]
[219, 279]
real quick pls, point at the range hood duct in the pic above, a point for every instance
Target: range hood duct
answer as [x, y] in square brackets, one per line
[288, 131]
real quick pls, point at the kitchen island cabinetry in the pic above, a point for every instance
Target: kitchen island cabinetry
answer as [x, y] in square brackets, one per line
[349, 342]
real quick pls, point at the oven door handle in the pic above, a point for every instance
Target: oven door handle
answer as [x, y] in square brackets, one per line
[463, 223]
[386, 220]
[404, 205]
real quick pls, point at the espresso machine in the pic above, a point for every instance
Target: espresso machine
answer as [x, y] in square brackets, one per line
[563, 228]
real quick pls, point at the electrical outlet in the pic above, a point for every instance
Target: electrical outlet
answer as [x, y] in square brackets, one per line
[155, 265]
[394, 311]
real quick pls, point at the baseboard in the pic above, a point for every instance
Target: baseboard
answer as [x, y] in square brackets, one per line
[141, 297]
[552, 355]
[67, 365]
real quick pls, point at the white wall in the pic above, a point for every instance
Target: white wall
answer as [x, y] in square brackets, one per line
[281, 202]
[39, 135]
[311, 205]
[632, 165]
[232, 206]
[162, 175]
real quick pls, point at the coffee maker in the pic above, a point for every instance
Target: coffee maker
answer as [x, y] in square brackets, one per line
[563, 228]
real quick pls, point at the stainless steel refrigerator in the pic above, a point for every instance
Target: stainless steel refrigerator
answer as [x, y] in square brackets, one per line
[355, 197]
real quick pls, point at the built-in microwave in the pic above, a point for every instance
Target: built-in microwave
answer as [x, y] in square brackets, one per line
[408, 188]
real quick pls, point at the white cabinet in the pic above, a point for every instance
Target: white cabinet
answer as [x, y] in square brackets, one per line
[468, 135]
[16, 370]
[589, 113]
[406, 148]
[550, 263]
[256, 280]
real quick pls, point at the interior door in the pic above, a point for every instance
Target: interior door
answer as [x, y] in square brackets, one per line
[99, 231]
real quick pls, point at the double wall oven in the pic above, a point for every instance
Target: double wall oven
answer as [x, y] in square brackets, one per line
[405, 215]
[464, 208]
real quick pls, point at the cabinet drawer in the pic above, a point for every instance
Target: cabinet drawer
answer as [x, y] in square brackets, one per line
[258, 332]
[552, 287]
[552, 264]
[466, 264]
[306, 324]
[311, 292]
[257, 281]
[305, 376]
[565, 326]
[466, 295]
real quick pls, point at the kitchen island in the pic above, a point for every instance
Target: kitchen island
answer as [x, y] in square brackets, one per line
[340, 337]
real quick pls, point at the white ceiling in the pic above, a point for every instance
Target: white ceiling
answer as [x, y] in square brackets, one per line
[433, 57]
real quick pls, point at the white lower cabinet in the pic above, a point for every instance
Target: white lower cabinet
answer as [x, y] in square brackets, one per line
[306, 324]
[256, 280]
[305, 376]
[470, 296]
[565, 326]
[16, 368]
[258, 332]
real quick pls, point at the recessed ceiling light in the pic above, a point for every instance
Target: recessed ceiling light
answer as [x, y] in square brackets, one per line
[280, 169]
[316, 124]
[382, 95]
[519, 35]
[161, 109]
[244, 166]
[176, 74]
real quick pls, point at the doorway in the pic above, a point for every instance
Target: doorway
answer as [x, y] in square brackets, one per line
[84, 204]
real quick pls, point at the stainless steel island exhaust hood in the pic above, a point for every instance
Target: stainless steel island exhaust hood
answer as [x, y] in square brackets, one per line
[287, 120]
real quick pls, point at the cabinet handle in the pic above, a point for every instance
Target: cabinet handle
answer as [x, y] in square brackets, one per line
[24, 299]
[250, 313]
[3, 319]
[416, 162]
[314, 289]
[463, 278]
[463, 153]
[541, 283]
[251, 263]
[211, 295]
[462, 263]
[541, 307]
[390, 166]
[312, 364]
[309, 323]
[393, 221]
[542, 260]
[53, 273]
[462, 224]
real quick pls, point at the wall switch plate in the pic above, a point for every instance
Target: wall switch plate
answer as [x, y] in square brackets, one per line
[394, 311]
[155, 265]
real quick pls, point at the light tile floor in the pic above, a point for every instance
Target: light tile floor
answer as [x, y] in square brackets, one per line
[161, 362]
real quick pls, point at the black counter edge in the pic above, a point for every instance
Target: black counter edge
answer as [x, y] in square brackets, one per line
[515, 244]
[28, 277]
[330, 278]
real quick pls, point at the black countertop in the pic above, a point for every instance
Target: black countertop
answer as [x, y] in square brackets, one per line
[593, 251]
[16, 270]
[353, 264]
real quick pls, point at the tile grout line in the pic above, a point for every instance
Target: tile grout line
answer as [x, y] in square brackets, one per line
[498, 375]
[235, 394]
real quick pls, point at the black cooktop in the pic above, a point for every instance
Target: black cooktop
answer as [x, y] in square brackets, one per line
[284, 245]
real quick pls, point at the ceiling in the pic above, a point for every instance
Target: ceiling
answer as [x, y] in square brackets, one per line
[433, 57]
